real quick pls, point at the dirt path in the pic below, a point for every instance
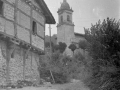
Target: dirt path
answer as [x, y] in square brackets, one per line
[70, 86]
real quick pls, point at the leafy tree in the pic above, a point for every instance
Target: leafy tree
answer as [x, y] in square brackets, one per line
[83, 45]
[62, 47]
[72, 47]
[104, 40]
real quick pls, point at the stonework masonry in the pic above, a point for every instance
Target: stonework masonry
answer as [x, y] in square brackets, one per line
[16, 65]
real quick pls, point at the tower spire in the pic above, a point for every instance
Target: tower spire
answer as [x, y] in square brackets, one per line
[64, 0]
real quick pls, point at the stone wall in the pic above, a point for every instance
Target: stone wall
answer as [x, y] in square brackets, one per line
[16, 65]
[2, 63]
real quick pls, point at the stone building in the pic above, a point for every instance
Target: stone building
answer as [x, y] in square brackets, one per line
[22, 32]
[78, 37]
[65, 27]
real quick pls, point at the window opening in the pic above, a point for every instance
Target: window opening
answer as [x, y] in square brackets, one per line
[34, 27]
[61, 18]
[68, 18]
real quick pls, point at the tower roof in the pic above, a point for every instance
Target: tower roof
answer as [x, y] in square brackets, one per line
[65, 6]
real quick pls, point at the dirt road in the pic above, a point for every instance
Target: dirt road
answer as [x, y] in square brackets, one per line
[69, 86]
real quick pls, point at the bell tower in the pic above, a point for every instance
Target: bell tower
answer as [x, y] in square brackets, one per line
[65, 27]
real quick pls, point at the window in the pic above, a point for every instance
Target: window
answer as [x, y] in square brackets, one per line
[61, 18]
[1, 7]
[34, 27]
[68, 18]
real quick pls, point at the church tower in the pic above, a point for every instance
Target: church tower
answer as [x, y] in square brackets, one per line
[65, 27]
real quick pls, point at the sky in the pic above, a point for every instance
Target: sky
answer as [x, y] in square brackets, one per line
[85, 12]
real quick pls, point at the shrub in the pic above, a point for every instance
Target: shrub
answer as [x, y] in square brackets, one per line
[60, 78]
[23, 83]
[104, 40]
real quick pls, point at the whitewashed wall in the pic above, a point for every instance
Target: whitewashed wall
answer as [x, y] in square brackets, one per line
[38, 17]
[6, 26]
[11, 1]
[35, 4]
[9, 12]
[23, 20]
[2, 24]
[23, 34]
[40, 30]
[24, 7]
[38, 42]
[9, 28]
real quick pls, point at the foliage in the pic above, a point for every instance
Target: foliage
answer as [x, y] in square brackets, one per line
[104, 40]
[56, 66]
[62, 47]
[83, 44]
[72, 47]
[20, 84]
[55, 47]
[82, 67]
[24, 83]
[47, 44]
[63, 67]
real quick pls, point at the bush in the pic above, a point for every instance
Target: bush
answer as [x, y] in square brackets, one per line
[104, 40]
[63, 67]
[60, 78]
[23, 83]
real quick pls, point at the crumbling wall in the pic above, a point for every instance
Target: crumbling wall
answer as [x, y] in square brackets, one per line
[2, 63]
[16, 65]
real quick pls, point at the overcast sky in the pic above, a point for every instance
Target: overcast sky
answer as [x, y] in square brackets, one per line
[85, 12]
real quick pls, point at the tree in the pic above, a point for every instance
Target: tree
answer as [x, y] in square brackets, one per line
[55, 47]
[72, 47]
[62, 47]
[83, 45]
[104, 48]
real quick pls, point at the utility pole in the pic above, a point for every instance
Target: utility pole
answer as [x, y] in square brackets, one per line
[50, 40]
[51, 51]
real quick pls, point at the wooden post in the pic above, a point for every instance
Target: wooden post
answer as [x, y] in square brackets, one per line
[51, 51]
[24, 60]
